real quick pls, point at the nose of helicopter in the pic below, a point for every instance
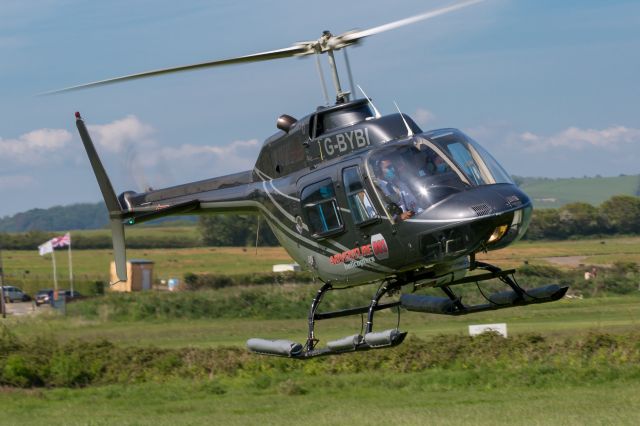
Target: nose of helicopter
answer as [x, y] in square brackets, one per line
[491, 216]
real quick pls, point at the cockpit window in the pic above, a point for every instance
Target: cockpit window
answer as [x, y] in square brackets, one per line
[411, 178]
[462, 156]
[360, 205]
[479, 167]
[499, 174]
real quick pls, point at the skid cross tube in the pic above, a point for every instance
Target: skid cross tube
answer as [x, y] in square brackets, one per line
[382, 290]
[354, 311]
[311, 339]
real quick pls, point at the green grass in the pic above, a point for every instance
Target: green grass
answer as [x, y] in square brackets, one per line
[484, 390]
[433, 397]
[563, 318]
[589, 190]
[505, 390]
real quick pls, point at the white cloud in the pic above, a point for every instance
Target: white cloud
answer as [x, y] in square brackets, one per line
[578, 139]
[116, 136]
[34, 147]
[236, 156]
[129, 144]
[424, 117]
[13, 182]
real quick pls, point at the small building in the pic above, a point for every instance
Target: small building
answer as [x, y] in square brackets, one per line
[139, 276]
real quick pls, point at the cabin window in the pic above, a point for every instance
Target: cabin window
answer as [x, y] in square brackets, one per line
[321, 209]
[359, 202]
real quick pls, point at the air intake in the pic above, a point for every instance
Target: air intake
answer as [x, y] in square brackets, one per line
[482, 209]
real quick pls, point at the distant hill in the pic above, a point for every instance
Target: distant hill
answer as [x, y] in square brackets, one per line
[58, 218]
[73, 217]
[553, 193]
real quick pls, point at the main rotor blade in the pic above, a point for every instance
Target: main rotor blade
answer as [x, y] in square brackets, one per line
[354, 36]
[256, 57]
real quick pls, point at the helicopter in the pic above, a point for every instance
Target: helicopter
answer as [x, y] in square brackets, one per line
[357, 198]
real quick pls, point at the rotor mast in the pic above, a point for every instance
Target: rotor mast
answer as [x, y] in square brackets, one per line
[325, 47]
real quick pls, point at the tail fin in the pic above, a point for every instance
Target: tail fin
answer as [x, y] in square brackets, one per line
[110, 199]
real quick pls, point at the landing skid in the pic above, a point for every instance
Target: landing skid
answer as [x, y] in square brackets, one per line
[453, 305]
[367, 339]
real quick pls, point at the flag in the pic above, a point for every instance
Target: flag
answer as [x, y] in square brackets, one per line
[62, 241]
[45, 248]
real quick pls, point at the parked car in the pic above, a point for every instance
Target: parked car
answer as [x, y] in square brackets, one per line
[44, 296]
[14, 294]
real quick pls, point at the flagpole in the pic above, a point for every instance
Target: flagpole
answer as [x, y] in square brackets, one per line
[55, 275]
[70, 267]
[2, 306]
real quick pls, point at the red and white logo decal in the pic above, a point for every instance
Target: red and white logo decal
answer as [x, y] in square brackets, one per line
[362, 255]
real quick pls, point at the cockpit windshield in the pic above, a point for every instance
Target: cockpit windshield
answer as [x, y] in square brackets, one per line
[478, 166]
[412, 177]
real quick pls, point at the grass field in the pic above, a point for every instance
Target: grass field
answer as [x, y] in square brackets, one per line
[434, 397]
[506, 390]
[553, 193]
[563, 318]
[31, 271]
[25, 267]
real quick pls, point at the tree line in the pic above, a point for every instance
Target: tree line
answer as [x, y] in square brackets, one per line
[618, 215]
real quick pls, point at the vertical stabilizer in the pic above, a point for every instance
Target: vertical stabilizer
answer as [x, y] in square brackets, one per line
[110, 199]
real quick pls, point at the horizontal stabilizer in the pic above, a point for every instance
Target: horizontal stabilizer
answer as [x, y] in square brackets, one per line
[275, 347]
[180, 208]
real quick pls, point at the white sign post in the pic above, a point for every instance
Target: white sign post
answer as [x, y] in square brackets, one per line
[500, 328]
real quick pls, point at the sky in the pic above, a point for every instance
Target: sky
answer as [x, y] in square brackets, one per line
[549, 88]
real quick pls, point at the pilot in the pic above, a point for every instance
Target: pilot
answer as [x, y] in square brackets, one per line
[403, 203]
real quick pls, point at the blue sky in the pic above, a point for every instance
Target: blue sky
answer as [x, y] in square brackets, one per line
[549, 88]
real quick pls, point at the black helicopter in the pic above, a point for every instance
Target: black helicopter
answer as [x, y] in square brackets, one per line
[357, 198]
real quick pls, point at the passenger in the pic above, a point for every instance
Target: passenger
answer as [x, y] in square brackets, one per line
[436, 165]
[440, 165]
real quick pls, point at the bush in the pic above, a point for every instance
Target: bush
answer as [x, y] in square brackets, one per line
[528, 357]
[216, 281]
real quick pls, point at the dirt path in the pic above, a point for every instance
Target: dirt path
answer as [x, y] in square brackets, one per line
[21, 308]
[570, 261]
